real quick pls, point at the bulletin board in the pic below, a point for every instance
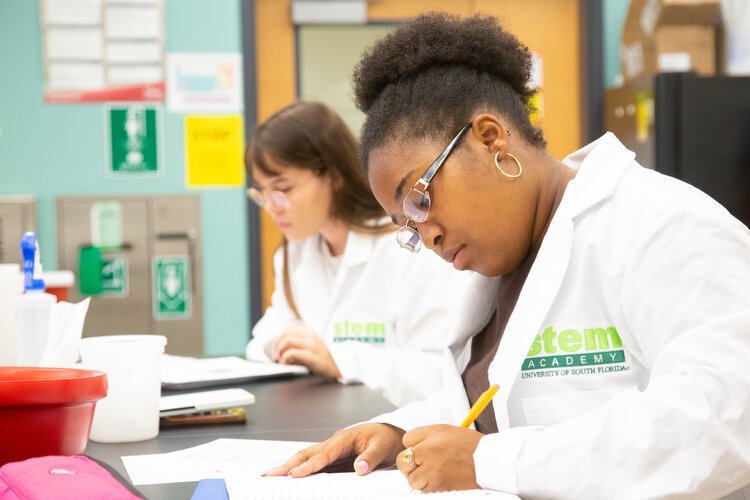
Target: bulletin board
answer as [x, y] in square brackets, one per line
[102, 50]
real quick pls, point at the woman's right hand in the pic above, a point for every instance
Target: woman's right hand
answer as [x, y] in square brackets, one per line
[363, 447]
[298, 344]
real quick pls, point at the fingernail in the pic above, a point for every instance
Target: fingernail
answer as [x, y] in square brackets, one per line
[363, 466]
[290, 471]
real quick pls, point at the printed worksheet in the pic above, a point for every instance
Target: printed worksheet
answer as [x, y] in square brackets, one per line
[217, 459]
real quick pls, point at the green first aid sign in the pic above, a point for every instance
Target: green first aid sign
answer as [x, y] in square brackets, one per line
[172, 291]
[134, 145]
[115, 276]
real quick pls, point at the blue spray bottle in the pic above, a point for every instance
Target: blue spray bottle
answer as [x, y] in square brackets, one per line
[32, 309]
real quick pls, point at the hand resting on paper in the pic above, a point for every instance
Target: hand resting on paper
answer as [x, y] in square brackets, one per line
[362, 448]
[443, 455]
[300, 345]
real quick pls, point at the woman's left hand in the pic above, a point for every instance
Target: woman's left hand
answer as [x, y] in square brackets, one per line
[443, 458]
[300, 345]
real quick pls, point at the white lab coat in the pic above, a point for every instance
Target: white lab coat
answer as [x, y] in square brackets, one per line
[396, 306]
[661, 412]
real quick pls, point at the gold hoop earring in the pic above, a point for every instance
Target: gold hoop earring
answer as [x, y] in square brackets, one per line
[506, 174]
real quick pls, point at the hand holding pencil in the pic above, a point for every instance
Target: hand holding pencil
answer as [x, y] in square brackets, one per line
[441, 457]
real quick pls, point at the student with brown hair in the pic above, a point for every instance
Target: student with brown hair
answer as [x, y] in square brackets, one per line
[348, 304]
[618, 333]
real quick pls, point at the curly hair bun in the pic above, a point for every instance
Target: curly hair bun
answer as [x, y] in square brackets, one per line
[438, 39]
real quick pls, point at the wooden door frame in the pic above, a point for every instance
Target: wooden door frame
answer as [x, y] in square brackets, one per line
[255, 274]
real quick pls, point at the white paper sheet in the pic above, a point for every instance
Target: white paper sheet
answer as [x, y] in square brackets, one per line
[143, 51]
[133, 74]
[73, 12]
[218, 459]
[179, 370]
[64, 334]
[390, 484]
[339, 485]
[132, 22]
[75, 44]
[75, 76]
[240, 462]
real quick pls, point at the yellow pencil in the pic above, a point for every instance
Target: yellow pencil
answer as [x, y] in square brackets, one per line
[480, 405]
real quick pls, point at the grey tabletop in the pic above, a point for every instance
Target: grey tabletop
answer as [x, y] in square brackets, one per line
[296, 409]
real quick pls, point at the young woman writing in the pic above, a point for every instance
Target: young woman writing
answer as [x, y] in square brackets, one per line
[618, 332]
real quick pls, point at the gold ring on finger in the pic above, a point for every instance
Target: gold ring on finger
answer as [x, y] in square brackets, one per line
[408, 456]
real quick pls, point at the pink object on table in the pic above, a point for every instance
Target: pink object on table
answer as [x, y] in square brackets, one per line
[55, 477]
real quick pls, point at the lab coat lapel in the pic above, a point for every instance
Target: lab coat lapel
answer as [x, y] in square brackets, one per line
[357, 251]
[476, 309]
[536, 297]
[600, 166]
[308, 275]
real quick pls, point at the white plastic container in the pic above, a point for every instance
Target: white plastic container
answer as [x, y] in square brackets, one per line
[31, 318]
[10, 287]
[130, 412]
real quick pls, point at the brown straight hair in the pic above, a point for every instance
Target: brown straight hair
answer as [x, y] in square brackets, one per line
[311, 136]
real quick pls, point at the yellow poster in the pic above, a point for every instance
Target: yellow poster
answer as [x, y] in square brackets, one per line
[214, 151]
[644, 116]
[536, 81]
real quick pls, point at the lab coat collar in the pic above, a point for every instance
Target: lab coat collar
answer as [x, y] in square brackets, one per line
[600, 165]
[359, 247]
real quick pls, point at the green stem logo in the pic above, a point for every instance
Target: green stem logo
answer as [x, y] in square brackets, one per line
[570, 348]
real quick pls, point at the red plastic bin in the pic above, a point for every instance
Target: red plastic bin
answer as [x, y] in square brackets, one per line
[46, 411]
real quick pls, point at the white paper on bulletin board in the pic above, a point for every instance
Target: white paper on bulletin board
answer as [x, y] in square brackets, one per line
[210, 82]
[102, 50]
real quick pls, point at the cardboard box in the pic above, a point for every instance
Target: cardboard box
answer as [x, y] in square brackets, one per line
[670, 35]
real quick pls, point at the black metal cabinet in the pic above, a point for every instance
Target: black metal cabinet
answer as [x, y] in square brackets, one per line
[694, 128]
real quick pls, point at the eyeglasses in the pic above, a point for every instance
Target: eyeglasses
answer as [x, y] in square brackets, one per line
[276, 198]
[417, 202]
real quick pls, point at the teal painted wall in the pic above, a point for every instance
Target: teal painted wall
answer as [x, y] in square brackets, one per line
[614, 12]
[58, 150]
